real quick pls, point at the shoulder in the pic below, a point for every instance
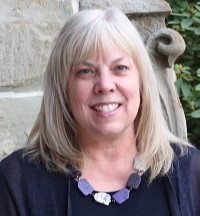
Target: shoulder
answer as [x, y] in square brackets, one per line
[23, 180]
[13, 157]
[195, 157]
[191, 172]
[191, 160]
[11, 164]
[14, 163]
[17, 168]
[184, 177]
[188, 163]
[190, 155]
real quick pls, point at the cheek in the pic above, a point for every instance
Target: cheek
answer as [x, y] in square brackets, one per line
[137, 96]
[78, 97]
[132, 87]
[135, 100]
[133, 96]
[75, 101]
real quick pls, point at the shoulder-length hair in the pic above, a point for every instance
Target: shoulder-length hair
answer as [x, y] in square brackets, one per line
[53, 137]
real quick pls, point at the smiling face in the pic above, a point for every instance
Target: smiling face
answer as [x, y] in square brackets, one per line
[104, 95]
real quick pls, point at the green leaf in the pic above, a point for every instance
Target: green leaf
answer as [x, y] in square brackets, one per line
[197, 7]
[191, 29]
[197, 88]
[180, 14]
[198, 72]
[195, 114]
[186, 23]
[182, 4]
[197, 102]
[196, 48]
[197, 20]
[197, 14]
[185, 88]
[174, 22]
[178, 86]
[186, 70]
[197, 32]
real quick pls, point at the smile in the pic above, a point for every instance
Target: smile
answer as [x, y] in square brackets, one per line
[106, 107]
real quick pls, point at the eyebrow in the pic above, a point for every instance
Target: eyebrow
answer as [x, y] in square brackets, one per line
[93, 65]
[118, 59]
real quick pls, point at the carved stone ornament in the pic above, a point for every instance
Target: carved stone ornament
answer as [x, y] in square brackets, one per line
[165, 46]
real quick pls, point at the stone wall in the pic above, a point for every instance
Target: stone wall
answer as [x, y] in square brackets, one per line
[27, 32]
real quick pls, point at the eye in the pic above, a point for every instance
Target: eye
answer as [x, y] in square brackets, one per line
[85, 72]
[121, 68]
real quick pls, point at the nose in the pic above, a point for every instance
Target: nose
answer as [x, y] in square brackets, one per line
[105, 83]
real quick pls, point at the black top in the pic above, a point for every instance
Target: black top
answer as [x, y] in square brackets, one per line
[148, 199]
[28, 189]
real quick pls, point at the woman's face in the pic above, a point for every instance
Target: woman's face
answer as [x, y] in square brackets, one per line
[104, 94]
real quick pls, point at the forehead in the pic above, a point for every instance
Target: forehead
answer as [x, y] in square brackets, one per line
[110, 52]
[111, 56]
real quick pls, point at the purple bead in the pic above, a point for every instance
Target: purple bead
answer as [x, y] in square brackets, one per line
[85, 187]
[121, 196]
[134, 180]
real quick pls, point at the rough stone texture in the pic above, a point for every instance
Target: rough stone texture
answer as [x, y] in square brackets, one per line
[128, 6]
[15, 127]
[18, 111]
[25, 48]
[27, 31]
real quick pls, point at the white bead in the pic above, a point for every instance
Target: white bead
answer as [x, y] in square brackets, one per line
[102, 198]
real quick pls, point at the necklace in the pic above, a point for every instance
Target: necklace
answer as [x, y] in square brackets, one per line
[106, 198]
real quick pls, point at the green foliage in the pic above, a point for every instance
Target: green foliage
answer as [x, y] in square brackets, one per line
[185, 19]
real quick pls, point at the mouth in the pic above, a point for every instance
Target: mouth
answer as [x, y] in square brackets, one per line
[106, 107]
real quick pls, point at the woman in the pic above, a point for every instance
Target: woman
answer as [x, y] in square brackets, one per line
[100, 145]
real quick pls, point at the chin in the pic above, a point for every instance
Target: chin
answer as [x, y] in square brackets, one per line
[110, 132]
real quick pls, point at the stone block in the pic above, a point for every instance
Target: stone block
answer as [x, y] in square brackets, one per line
[129, 6]
[27, 31]
[24, 49]
[18, 112]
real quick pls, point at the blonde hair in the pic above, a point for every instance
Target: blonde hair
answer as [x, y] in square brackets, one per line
[53, 137]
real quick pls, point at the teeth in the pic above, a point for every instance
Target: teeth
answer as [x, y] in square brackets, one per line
[106, 108]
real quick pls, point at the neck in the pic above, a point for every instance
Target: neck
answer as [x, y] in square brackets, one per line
[111, 153]
[94, 145]
[108, 163]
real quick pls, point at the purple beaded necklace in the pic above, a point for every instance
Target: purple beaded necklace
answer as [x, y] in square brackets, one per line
[106, 198]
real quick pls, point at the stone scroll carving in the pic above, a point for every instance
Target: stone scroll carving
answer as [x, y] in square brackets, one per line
[165, 46]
